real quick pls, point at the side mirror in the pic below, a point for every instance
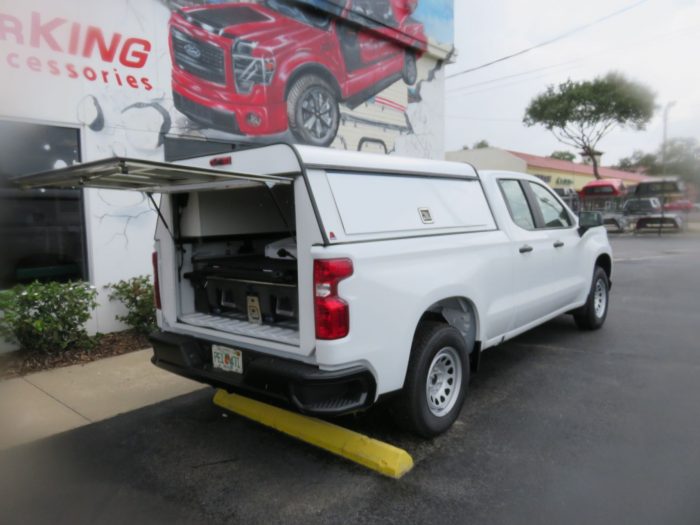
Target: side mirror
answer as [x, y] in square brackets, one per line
[588, 220]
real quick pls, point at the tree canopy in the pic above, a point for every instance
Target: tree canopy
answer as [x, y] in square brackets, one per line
[580, 114]
[563, 155]
[639, 161]
[682, 158]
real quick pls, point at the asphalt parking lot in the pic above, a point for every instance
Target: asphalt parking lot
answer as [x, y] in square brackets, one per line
[560, 426]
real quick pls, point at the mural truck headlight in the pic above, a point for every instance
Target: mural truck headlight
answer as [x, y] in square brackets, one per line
[249, 70]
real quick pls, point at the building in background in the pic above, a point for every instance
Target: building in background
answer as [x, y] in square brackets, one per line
[171, 79]
[557, 173]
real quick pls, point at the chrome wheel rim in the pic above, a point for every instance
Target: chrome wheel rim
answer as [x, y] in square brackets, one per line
[317, 114]
[600, 298]
[444, 381]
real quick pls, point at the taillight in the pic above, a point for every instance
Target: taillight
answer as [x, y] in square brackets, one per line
[332, 313]
[156, 282]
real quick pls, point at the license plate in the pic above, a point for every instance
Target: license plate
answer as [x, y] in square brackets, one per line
[227, 359]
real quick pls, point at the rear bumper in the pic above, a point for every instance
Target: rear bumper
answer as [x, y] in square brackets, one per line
[668, 221]
[305, 387]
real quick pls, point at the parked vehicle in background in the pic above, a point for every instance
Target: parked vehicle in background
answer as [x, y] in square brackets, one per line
[680, 206]
[570, 198]
[671, 192]
[608, 197]
[639, 207]
[261, 69]
[327, 279]
[648, 213]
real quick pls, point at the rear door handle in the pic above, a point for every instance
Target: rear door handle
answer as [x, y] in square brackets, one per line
[558, 244]
[526, 249]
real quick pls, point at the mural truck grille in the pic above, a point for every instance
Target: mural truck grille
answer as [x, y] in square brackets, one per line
[199, 58]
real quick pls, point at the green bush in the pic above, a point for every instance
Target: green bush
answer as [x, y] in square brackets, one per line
[136, 294]
[49, 317]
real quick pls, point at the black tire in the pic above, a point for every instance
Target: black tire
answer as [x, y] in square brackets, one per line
[409, 73]
[412, 409]
[591, 316]
[313, 111]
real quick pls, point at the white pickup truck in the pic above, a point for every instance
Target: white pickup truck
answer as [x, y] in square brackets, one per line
[327, 280]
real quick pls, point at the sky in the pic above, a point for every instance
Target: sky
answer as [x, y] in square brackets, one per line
[656, 43]
[436, 16]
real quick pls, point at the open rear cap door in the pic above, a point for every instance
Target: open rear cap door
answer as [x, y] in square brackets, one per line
[129, 174]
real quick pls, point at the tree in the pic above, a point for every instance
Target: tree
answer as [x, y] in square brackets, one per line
[682, 158]
[563, 155]
[639, 161]
[482, 144]
[580, 114]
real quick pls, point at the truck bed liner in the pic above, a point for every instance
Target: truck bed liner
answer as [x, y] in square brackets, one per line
[283, 332]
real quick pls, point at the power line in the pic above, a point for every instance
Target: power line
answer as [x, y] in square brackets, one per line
[606, 51]
[485, 119]
[515, 75]
[550, 41]
[509, 84]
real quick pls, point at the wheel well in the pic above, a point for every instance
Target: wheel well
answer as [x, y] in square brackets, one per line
[314, 69]
[459, 313]
[605, 263]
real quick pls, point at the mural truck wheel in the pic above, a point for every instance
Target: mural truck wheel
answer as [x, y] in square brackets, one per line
[313, 112]
[410, 69]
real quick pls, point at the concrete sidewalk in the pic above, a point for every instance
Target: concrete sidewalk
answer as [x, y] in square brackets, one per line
[46, 403]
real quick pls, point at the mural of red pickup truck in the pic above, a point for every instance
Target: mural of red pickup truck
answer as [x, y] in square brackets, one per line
[264, 68]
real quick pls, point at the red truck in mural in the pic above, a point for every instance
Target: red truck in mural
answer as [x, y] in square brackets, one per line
[263, 68]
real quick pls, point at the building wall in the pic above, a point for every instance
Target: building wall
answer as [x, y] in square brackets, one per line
[106, 68]
[560, 179]
[488, 159]
[498, 159]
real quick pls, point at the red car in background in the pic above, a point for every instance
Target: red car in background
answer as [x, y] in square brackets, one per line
[261, 69]
[604, 195]
[607, 196]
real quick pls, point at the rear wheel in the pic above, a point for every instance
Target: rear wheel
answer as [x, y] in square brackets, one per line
[592, 315]
[436, 381]
[313, 111]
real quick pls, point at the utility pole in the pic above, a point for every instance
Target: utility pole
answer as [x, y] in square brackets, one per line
[665, 138]
[663, 161]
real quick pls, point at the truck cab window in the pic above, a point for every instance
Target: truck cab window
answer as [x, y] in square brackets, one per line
[517, 204]
[553, 213]
[308, 14]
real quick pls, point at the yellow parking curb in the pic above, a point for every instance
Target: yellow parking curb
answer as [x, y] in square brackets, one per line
[376, 455]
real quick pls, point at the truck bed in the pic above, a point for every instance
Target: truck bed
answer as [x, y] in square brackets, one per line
[283, 332]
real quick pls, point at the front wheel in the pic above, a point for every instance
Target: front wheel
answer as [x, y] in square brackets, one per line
[592, 315]
[436, 381]
[313, 111]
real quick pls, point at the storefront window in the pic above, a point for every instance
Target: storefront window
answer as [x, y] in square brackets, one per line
[42, 231]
